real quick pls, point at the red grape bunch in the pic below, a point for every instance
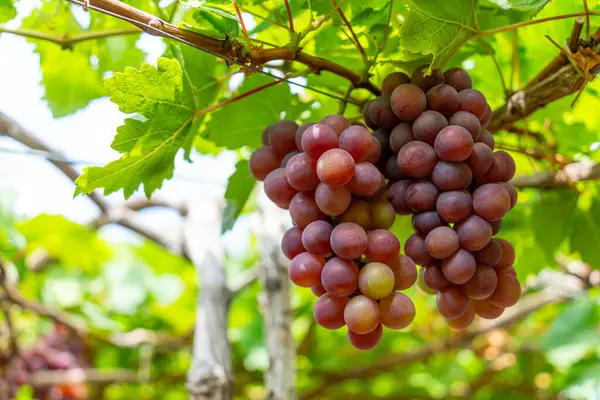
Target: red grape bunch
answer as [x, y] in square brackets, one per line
[439, 160]
[60, 350]
[340, 245]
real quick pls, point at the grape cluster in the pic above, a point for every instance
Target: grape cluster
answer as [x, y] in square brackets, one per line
[59, 350]
[340, 245]
[442, 169]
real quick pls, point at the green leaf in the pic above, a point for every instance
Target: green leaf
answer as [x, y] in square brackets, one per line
[7, 10]
[238, 191]
[586, 381]
[74, 245]
[572, 333]
[241, 123]
[169, 96]
[437, 28]
[586, 234]
[141, 90]
[553, 206]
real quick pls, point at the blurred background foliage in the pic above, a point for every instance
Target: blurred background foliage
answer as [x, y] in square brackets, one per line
[111, 287]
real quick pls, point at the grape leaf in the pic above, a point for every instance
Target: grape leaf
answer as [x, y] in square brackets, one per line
[238, 191]
[7, 10]
[437, 28]
[241, 123]
[169, 97]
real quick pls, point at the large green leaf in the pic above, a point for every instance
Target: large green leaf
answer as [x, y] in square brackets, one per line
[170, 97]
[238, 191]
[586, 234]
[437, 28]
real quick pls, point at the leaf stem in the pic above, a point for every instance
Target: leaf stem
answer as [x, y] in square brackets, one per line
[266, 19]
[239, 14]
[534, 22]
[349, 26]
[289, 13]
[587, 20]
[490, 51]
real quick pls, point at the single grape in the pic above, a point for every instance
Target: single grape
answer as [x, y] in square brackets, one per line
[317, 139]
[392, 81]
[408, 102]
[361, 315]
[380, 112]
[434, 278]
[502, 170]
[340, 277]
[305, 269]
[510, 271]
[263, 161]
[427, 126]
[376, 151]
[474, 233]
[451, 176]
[487, 117]
[299, 132]
[396, 311]
[381, 245]
[425, 222]
[382, 215]
[508, 255]
[480, 160]
[400, 135]
[487, 139]
[507, 293]
[348, 240]
[453, 143]
[392, 170]
[455, 205]
[405, 271]
[415, 249]
[496, 226]
[491, 202]
[397, 197]
[301, 172]
[482, 284]
[421, 196]
[426, 79]
[357, 141]
[336, 122]
[359, 212]
[512, 192]
[422, 285]
[441, 242]
[335, 167]
[458, 78]
[366, 341]
[473, 101]
[315, 237]
[277, 188]
[287, 158]
[486, 310]
[333, 201]
[329, 311]
[452, 303]
[291, 243]
[366, 179]
[417, 159]
[366, 115]
[459, 267]
[376, 280]
[464, 320]
[282, 136]
[490, 255]
[468, 121]
[318, 289]
[304, 209]
[443, 99]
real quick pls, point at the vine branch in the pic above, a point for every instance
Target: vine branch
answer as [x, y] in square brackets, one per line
[67, 41]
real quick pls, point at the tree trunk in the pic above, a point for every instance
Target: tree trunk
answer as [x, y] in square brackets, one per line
[210, 376]
[280, 378]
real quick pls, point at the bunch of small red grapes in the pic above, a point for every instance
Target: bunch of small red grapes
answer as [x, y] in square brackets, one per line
[59, 350]
[440, 163]
[340, 245]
